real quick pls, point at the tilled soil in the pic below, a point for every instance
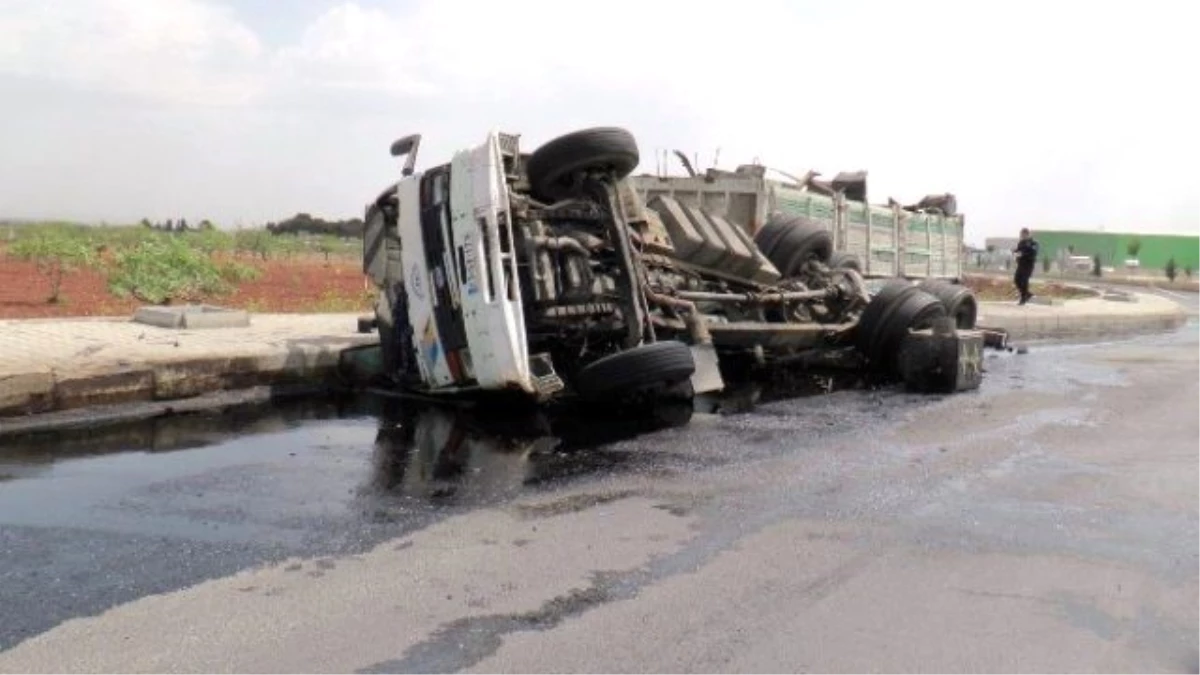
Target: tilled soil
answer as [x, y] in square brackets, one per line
[989, 289]
[300, 284]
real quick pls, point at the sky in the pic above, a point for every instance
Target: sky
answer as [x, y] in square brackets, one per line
[1063, 115]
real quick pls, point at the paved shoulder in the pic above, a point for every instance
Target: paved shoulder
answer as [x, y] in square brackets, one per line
[60, 364]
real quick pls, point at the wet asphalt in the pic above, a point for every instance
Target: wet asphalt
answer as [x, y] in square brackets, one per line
[1035, 469]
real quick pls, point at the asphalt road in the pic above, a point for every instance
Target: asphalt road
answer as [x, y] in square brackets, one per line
[1047, 523]
[1187, 299]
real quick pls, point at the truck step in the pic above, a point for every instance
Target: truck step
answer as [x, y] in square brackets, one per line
[548, 384]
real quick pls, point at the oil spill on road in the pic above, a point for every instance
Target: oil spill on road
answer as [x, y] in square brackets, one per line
[93, 520]
[468, 641]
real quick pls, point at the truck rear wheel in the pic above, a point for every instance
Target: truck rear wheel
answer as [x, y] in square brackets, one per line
[959, 301]
[911, 309]
[872, 317]
[658, 363]
[768, 235]
[897, 308]
[791, 242]
[555, 167]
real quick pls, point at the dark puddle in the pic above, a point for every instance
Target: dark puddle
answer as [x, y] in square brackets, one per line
[419, 449]
[171, 432]
[94, 519]
[90, 520]
[445, 456]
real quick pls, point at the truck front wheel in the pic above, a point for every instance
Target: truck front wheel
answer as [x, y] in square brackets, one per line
[660, 363]
[554, 169]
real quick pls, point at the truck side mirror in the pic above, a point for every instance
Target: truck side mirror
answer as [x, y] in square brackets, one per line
[407, 146]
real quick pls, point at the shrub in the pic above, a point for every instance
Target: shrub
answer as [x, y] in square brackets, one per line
[255, 242]
[162, 269]
[55, 251]
[1171, 271]
[287, 245]
[1096, 270]
[119, 237]
[210, 240]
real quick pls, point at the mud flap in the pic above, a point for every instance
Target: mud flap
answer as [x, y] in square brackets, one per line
[707, 377]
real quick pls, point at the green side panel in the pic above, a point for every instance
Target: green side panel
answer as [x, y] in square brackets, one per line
[881, 219]
[821, 208]
[918, 222]
[791, 202]
[856, 213]
[797, 203]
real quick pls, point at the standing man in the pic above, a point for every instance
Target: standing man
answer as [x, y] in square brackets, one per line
[1026, 254]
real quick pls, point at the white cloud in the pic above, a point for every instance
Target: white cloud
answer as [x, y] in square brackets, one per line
[176, 50]
[349, 47]
[1062, 114]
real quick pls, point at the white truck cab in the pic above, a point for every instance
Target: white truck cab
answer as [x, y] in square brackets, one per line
[461, 274]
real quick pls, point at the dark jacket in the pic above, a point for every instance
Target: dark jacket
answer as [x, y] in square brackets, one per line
[1026, 252]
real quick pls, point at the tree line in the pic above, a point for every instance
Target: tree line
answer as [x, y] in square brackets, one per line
[301, 223]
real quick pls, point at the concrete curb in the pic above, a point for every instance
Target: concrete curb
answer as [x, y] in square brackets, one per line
[1093, 317]
[47, 390]
[58, 367]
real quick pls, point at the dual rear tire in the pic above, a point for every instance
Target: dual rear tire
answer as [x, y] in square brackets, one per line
[899, 307]
[958, 299]
[789, 242]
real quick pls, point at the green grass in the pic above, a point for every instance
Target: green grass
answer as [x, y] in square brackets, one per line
[256, 242]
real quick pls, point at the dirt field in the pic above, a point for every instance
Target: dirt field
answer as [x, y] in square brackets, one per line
[302, 284]
[1001, 289]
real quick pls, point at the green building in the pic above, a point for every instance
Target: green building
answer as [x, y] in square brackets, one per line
[1113, 247]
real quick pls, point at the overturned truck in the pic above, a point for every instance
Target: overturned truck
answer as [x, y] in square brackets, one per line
[558, 275]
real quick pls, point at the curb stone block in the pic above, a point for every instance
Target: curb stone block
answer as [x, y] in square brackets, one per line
[100, 388]
[190, 317]
[185, 379]
[27, 393]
